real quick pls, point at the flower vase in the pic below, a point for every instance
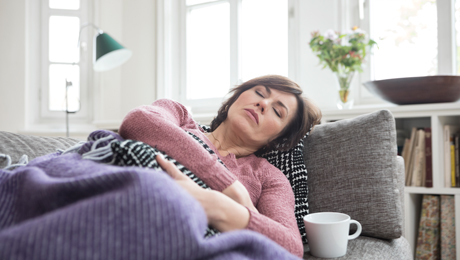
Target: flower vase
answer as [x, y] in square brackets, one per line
[345, 101]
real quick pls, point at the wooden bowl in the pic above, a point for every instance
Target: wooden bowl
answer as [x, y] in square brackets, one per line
[417, 90]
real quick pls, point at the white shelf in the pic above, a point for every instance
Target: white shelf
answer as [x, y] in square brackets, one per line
[407, 116]
[440, 191]
[398, 111]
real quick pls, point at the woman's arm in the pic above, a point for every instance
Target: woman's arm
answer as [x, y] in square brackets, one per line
[223, 213]
[162, 125]
[276, 219]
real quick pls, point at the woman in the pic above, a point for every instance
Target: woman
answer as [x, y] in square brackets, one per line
[248, 192]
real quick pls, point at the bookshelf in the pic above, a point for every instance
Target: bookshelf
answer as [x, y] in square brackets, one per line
[406, 117]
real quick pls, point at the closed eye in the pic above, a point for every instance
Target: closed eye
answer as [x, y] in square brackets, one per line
[277, 113]
[258, 93]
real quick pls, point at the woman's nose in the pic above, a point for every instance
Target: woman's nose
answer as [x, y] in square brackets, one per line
[262, 105]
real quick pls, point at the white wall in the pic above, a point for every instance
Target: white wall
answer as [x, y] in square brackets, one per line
[317, 83]
[12, 65]
[139, 78]
[131, 22]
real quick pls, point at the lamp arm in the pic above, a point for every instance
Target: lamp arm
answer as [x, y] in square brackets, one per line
[86, 25]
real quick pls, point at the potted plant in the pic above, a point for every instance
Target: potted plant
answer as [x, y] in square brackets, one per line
[343, 54]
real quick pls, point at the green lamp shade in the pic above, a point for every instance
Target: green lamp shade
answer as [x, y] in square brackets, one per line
[108, 53]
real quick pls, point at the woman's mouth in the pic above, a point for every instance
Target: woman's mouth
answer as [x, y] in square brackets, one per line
[253, 115]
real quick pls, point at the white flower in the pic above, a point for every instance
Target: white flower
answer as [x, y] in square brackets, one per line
[331, 35]
[349, 32]
[358, 30]
[344, 42]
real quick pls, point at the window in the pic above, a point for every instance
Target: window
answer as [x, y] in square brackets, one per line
[457, 31]
[264, 40]
[225, 45]
[406, 32]
[415, 37]
[208, 50]
[62, 58]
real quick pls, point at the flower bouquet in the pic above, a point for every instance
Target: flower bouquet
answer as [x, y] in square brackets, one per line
[343, 54]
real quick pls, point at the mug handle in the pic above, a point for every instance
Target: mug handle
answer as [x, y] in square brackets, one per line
[358, 231]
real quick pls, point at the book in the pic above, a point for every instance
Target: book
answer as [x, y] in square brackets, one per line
[405, 149]
[428, 159]
[452, 162]
[422, 157]
[418, 170]
[448, 250]
[447, 131]
[457, 175]
[410, 157]
[429, 229]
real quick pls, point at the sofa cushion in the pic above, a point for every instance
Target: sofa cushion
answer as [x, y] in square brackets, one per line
[16, 145]
[353, 169]
[371, 248]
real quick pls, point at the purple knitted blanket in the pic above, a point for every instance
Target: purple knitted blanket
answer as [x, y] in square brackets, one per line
[64, 207]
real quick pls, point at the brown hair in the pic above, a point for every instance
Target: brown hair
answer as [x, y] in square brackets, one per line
[308, 114]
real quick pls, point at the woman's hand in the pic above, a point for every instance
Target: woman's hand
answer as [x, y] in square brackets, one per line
[184, 181]
[240, 194]
[222, 212]
[236, 191]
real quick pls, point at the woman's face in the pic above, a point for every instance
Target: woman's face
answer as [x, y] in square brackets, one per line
[261, 113]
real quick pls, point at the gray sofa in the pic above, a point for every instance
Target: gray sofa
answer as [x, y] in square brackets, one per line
[352, 168]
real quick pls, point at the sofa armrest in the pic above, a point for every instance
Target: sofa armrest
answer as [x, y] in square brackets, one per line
[401, 184]
[353, 168]
[16, 145]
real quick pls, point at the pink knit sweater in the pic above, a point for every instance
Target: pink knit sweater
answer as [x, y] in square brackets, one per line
[162, 125]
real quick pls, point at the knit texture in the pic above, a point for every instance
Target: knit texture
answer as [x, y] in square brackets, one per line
[163, 125]
[136, 153]
[292, 165]
[356, 159]
[63, 207]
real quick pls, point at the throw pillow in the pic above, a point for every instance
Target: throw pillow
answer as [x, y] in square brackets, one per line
[354, 160]
[291, 163]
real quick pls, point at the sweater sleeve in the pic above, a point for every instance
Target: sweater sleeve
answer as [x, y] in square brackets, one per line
[276, 218]
[161, 125]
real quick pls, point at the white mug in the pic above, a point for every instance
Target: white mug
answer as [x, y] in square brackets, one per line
[327, 233]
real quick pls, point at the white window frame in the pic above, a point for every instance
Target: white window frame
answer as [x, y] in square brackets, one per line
[446, 41]
[171, 53]
[202, 105]
[447, 46]
[85, 63]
